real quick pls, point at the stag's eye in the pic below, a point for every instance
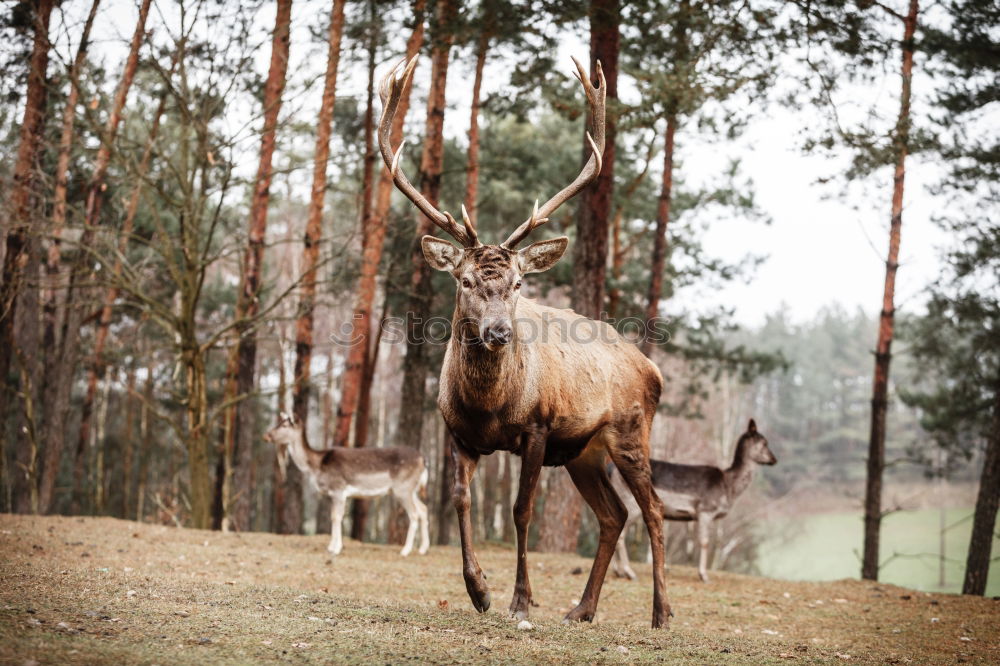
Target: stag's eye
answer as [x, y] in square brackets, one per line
[517, 285]
[466, 283]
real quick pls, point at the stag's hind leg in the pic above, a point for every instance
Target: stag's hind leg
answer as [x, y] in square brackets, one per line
[630, 453]
[620, 564]
[591, 479]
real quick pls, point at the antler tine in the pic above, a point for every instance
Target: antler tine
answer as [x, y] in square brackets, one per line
[595, 100]
[470, 228]
[390, 90]
[526, 228]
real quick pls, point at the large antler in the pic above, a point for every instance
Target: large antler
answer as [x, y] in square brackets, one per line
[595, 100]
[390, 90]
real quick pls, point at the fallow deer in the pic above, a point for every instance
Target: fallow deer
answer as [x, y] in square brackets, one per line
[515, 379]
[344, 472]
[697, 493]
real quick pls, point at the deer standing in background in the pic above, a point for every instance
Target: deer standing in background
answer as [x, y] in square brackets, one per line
[545, 384]
[343, 472]
[696, 492]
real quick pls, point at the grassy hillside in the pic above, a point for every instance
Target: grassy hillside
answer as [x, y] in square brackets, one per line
[827, 546]
[93, 590]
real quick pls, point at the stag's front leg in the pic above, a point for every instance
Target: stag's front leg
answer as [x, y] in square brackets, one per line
[475, 582]
[531, 467]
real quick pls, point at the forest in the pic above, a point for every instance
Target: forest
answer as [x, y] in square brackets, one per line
[200, 235]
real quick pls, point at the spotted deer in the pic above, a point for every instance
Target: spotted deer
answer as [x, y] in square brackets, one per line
[548, 385]
[343, 472]
[698, 493]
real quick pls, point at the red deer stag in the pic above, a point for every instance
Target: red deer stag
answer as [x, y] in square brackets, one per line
[700, 493]
[547, 385]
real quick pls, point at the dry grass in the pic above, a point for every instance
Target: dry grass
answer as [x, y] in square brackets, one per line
[93, 590]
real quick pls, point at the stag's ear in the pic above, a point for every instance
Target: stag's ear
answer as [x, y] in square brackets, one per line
[283, 417]
[541, 256]
[752, 427]
[440, 254]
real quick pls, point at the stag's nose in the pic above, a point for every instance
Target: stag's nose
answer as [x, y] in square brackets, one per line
[497, 333]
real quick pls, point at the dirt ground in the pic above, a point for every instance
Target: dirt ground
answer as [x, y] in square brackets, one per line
[98, 590]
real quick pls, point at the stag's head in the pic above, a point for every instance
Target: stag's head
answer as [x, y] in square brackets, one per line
[488, 277]
[282, 436]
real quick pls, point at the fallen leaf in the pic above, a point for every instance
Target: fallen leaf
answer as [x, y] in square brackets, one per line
[443, 604]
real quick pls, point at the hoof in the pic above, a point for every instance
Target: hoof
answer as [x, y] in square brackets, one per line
[519, 606]
[479, 592]
[481, 604]
[662, 620]
[703, 577]
[579, 614]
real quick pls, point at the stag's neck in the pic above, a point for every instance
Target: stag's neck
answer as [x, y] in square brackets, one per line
[485, 376]
[740, 473]
[306, 458]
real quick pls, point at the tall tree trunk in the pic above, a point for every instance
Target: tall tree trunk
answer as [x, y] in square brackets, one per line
[350, 383]
[445, 508]
[880, 383]
[472, 163]
[53, 261]
[21, 204]
[660, 240]
[359, 508]
[560, 523]
[58, 401]
[278, 522]
[380, 220]
[977, 564]
[128, 441]
[413, 397]
[146, 443]
[53, 258]
[200, 484]
[238, 428]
